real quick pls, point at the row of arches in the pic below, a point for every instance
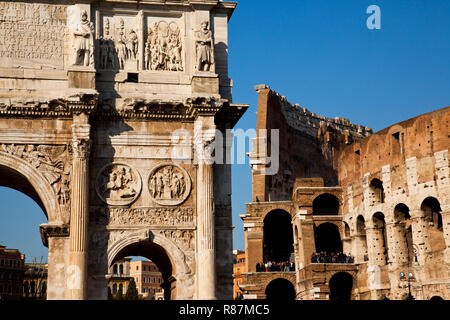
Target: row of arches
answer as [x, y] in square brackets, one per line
[278, 244]
[340, 288]
[401, 250]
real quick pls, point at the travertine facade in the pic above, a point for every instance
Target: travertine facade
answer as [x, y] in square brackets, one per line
[104, 106]
[383, 198]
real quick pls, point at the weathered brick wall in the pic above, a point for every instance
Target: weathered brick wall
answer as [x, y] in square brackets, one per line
[410, 159]
[308, 145]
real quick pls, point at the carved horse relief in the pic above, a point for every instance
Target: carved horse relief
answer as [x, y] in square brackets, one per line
[118, 184]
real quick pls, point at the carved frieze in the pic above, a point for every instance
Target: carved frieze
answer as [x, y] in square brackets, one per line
[119, 44]
[185, 239]
[118, 184]
[163, 47]
[178, 217]
[169, 184]
[120, 48]
[50, 160]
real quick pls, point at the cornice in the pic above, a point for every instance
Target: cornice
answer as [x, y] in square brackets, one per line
[64, 107]
[147, 109]
[50, 230]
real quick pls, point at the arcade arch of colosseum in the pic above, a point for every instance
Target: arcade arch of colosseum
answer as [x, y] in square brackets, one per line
[107, 112]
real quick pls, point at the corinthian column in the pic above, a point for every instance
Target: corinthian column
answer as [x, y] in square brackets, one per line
[77, 270]
[204, 132]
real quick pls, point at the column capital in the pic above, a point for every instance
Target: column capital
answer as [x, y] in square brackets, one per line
[81, 142]
[204, 140]
[81, 148]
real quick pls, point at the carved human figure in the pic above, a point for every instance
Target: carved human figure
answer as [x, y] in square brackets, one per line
[159, 186]
[176, 186]
[64, 191]
[167, 175]
[175, 52]
[82, 46]
[121, 50]
[132, 45]
[147, 56]
[153, 182]
[119, 183]
[205, 47]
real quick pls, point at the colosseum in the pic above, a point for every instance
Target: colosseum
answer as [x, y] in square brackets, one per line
[350, 214]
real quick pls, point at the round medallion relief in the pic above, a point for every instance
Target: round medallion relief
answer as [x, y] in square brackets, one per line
[169, 184]
[118, 184]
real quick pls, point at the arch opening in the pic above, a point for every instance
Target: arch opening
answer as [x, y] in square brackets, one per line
[326, 205]
[341, 286]
[380, 238]
[12, 179]
[159, 256]
[22, 213]
[280, 290]
[361, 239]
[346, 230]
[376, 191]
[327, 238]
[278, 236]
[431, 211]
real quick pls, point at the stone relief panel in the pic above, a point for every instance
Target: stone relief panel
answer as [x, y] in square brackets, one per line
[32, 34]
[167, 217]
[119, 43]
[185, 239]
[118, 184]
[163, 47]
[51, 161]
[169, 185]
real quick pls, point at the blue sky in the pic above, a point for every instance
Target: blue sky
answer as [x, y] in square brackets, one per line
[321, 55]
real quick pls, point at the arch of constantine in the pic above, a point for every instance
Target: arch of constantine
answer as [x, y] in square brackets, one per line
[107, 110]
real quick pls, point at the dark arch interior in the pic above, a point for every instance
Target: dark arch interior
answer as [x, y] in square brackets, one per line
[380, 224]
[12, 179]
[361, 226]
[378, 220]
[280, 290]
[436, 298]
[432, 207]
[327, 238]
[158, 255]
[278, 237]
[377, 187]
[346, 230]
[341, 285]
[401, 212]
[326, 205]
